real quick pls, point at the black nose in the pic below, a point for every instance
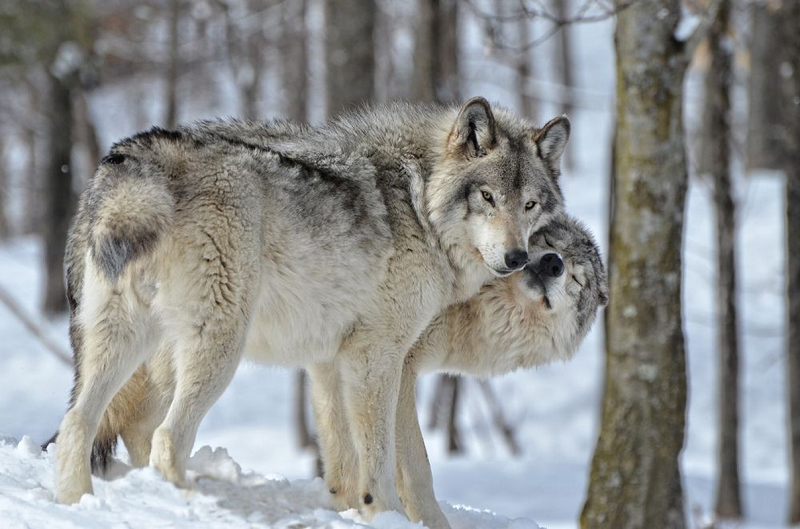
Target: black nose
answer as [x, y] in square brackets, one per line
[551, 265]
[516, 258]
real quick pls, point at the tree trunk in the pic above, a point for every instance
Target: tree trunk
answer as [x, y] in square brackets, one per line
[436, 76]
[791, 85]
[304, 439]
[635, 478]
[5, 226]
[564, 62]
[527, 103]
[716, 142]
[453, 388]
[425, 46]
[763, 147]
[295, 60]
[447, 75]
[171, 94]
[349, 54]
[59, 196]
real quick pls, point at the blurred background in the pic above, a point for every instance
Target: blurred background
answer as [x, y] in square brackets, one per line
[78, 75]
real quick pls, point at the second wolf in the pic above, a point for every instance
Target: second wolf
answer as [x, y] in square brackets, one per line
[528, 319]
[329, 248]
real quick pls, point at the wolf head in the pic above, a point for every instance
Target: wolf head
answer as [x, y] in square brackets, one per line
[565, 273]
[495, 183]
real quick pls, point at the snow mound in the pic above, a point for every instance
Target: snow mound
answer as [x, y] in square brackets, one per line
[221, 495]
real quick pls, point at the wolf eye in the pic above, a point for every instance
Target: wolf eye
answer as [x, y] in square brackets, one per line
[529, 205]
[488, 197]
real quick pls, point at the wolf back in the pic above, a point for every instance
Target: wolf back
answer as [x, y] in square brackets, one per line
[191, 246]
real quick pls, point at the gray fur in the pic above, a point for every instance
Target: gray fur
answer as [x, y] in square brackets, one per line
[330, 248]
[509, 325]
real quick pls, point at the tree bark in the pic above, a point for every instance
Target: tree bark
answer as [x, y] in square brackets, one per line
[635, 478]
[436, 76]
[716, 142]
[564, 62]
[171, 92]
[527, 103]
[791, 89]
[349, 53]
[59, 196]
[5, 226]
[295, 59]
[425, 51]
[763, 146]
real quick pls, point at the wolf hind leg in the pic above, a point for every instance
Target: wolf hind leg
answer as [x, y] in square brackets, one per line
[206, 361]
[154, 394]
[118, 333]
[339, 457]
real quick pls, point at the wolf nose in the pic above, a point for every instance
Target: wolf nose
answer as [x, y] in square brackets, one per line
[516, 258]
[551, 265]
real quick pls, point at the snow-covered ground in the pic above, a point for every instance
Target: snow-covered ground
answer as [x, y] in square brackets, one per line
[262, 479]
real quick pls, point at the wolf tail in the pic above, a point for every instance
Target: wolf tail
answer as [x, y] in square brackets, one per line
[134, 208]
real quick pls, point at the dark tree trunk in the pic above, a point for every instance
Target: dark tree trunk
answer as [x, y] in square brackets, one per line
[716, 149]
[635, 478]
[527, 103]
[791, 89]
[564, 62]
[349, 53]
[304, 439]
[425, 46]
[453, 390]
[5, 226]
[295, 59]
[59, 196]
[436, 52]
[763, 146]
[171, 93]
[447, 70]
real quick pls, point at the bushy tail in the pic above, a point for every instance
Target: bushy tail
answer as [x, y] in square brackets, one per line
[133, 208]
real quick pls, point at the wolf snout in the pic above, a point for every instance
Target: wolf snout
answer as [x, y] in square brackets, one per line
[516, 258]
[551, 265]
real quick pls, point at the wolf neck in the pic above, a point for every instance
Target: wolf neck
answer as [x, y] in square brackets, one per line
[412, 139]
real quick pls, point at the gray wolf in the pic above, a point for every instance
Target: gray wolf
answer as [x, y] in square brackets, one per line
[330, 248]
[528, 319]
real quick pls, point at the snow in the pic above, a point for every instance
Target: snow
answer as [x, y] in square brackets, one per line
[261, 479]
[221, 495]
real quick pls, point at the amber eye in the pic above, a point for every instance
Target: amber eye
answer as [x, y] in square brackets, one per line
[529, 205]
[488, 197]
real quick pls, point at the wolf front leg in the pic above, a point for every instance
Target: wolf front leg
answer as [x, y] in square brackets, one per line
[414, 477]
[339, 457]
[371, 374]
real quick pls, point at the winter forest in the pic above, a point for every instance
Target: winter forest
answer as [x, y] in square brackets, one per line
[681, 407]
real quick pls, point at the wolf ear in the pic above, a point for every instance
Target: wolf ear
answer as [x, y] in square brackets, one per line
[602, 296]
[474, 130]
[552, 139]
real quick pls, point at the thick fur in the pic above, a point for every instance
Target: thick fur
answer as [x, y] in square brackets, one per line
[522, 321]
[329, 248]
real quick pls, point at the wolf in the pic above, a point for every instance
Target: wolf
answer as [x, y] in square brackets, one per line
[528, 319]
[330, 248]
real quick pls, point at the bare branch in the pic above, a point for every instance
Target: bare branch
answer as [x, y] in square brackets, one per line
[502, 425]
[588, 11]
[34, 328]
